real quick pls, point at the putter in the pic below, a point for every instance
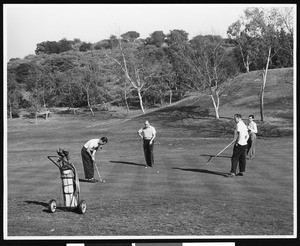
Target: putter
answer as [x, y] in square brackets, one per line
[210, 158]
[101, 180]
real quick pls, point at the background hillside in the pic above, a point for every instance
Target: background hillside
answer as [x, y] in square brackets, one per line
[197, 113]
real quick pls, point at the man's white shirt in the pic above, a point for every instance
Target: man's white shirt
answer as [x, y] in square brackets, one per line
[252, 127]
[147, 133]
[92, 144]
[243, 133]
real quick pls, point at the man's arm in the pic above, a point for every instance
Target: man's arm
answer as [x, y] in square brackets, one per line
[140, 133]
[93, 154]
[153, 136]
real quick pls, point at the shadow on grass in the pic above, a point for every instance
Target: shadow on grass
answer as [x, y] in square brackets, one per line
[44, 204]
[202, 171]
[128, 163]
[85, 180]
[46, 207]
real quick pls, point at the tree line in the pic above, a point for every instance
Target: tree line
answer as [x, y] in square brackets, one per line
[127, 70]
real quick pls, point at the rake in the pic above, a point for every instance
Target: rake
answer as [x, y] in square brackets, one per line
[210, 158]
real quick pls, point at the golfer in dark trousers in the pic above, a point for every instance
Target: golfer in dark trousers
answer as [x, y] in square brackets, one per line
[240, 147]
[88, 153]
[148, 133]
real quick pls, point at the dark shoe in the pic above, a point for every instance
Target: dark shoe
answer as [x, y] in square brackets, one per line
[241, 174]
[231, 175]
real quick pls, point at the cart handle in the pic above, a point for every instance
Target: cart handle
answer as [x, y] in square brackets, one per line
[59, 166]
[54, 162]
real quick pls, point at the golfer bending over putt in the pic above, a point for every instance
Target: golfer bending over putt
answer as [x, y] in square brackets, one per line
[240, 147]
[88, 153]
[148, 133]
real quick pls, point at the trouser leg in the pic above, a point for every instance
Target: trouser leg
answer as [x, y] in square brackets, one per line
[237, 151]
[88, 165]
[251, 151]
[242, 159]
[147, 152]
[151, 155]
[249, 145]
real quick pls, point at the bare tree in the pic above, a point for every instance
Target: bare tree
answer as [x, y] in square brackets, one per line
[209, 67]
[132, 73]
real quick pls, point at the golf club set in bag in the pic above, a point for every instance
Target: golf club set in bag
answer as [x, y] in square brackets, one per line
[70, 184]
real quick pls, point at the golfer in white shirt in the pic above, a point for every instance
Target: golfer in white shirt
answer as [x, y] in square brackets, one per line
[240, 147]
[88, 153]
[148, 133]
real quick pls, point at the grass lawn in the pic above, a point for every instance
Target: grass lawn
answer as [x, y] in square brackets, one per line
[180, 196]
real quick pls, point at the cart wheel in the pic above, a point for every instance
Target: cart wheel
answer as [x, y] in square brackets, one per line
[52, 206]
[82, 206]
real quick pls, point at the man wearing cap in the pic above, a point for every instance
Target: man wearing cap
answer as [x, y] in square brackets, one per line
[148, 134]
[88, 153]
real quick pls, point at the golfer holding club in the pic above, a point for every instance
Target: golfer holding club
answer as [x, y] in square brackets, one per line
[240, 147]
[88, 153]
[148, 133]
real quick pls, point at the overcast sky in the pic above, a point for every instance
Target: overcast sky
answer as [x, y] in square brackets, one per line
[29, 24]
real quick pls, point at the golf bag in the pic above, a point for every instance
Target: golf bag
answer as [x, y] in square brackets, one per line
[70, 182]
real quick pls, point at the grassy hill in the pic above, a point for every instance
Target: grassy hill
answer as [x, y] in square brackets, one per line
[242, 96]
[195, 113]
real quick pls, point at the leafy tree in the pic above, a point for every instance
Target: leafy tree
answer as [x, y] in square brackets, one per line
[263, 24]
[210, 69]
[113, 41]
[177, 37]
[103, 44]
[85, 47]
[13, 92]
[132, 58]
[263, 33]
[156, 38]
[91, 77]
[64, 45]
[130, 36]
[245, 43]
[284, 56]
[177, 50]
[35, 86]
[162, 81]
[46, 48]
[53, 47]
[60, 63]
